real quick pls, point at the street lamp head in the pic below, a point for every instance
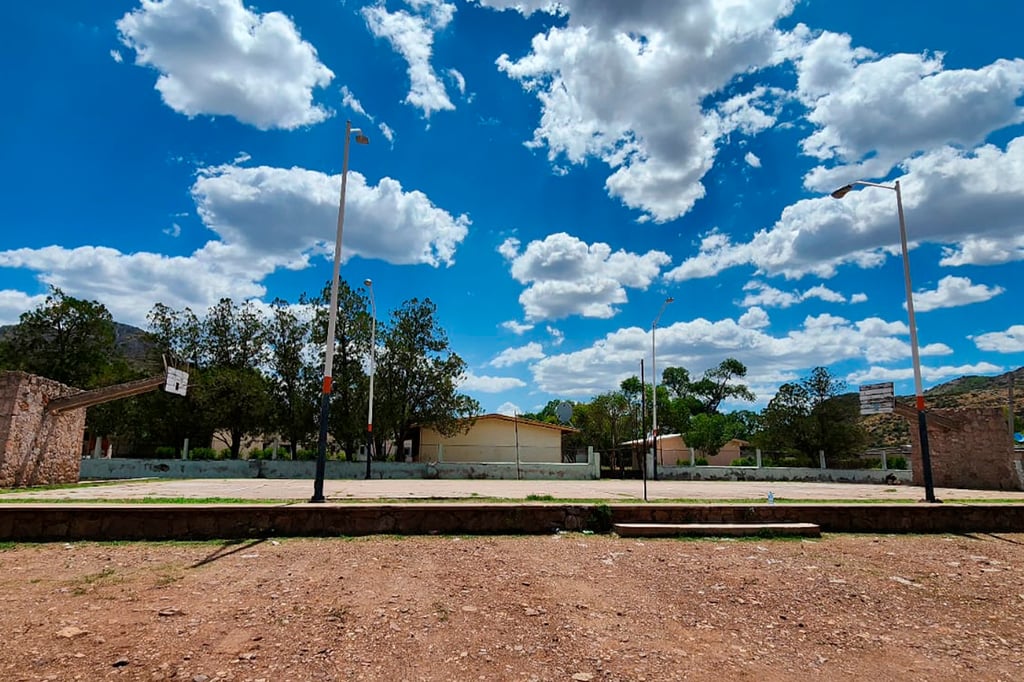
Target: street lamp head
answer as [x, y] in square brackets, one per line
[670, 300]
[842, 191]
[360, 138]
[368, 282]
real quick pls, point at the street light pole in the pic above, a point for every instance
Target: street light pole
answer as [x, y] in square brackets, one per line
[373, 370]
[922, 419]
[332, 321]
[654, 382]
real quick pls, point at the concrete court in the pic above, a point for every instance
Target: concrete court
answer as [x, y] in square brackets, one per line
[610, 490]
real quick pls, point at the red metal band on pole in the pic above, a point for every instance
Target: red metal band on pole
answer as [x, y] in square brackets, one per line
[327, 385]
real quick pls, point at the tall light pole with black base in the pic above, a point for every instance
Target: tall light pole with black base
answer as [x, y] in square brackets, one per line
[332, 321]
[922, 419]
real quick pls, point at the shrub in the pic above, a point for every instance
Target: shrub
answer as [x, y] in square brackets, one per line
[743, 462]
[203, 454]
[897, 462]
[166, 452]
[700, 461]
[305, 455]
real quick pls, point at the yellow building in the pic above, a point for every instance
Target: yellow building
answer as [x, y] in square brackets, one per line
[495, 438]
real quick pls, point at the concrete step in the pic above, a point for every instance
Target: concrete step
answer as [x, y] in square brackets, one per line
[666, 530]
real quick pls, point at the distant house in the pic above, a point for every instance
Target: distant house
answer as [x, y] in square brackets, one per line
[495, 438]
[672, 449]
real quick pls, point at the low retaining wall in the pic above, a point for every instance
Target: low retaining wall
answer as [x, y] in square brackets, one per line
[66, 523]
[117, 468]
[800, 474]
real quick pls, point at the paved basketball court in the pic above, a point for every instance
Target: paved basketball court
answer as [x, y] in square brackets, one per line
[298, 491]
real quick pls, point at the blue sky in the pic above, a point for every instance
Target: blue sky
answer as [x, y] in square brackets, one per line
[547, 173]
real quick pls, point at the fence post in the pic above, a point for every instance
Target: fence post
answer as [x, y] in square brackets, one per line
[184, 450]
[594, 460]
[821, 458]
[758, 453]
[885, 463]
[693, 460]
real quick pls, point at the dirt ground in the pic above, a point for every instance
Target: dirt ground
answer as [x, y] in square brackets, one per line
[563, 607]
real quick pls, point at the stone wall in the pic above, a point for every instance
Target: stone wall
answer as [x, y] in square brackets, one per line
[977, 453]
[37, 447]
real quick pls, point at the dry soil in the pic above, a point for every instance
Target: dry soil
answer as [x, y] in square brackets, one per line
[563, 607]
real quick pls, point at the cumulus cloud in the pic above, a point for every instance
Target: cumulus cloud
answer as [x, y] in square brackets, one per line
[216, 57]
[264, 219]
[641, 86]
[517, 328]
[761, 294]
[821, 340]
[954, 197]
[953, 292]
[14, 303]
[116, 56]
[567, 277]
[870, 112]
[283, 214]
[412, 36]
[513, 356]
[752, 160]
[489, 384]
[1009, 341]
[929, 374]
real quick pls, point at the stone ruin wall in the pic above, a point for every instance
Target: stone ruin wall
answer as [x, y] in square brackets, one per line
[36, 447]
[977, 454]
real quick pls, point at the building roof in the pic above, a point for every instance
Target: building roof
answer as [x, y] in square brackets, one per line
[520, 420]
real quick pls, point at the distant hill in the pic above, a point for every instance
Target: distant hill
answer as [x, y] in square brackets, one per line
[133, 342]
[968, 391]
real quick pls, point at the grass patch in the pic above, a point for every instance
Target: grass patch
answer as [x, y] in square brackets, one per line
[69, 486]
[540, 498]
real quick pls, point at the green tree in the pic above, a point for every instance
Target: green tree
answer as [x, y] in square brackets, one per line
[810, 416]
[292, 375]
[418, 376]
[709, 432]
[66, 339]
[718, 385]
[227, 350]
[349, 379]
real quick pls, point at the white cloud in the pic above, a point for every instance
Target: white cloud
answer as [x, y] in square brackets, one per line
[950, 196]
[129, 284]
[349, 101]
[567, 277]
[763, 294]
[509, 409]
[929, 374]
[215, 57]
[953, 292]
[412, 36]
[513, 356]
[1009, 341]
[174, 230]
[387, 132]
[116, 56]
[265, 219]
[752, 160]
[517, 328]
[915, 105]
[283, 214]
[488, 384]
[460, 80]
[755, 318]
[626, 82]
[557, 335]
[822, 340]
[859, 298]
[14, 303]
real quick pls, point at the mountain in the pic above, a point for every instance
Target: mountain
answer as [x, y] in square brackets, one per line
[888, 430]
